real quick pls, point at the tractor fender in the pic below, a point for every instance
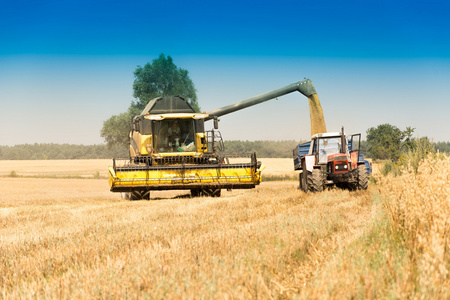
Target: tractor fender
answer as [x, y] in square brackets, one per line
[309, 162]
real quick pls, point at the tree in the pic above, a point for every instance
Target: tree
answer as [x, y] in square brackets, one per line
[409, 142]
[115, 129]
[160, 78]
[386, 141]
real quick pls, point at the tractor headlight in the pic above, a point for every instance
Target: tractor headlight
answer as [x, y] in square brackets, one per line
[336, 167]
[345, 167]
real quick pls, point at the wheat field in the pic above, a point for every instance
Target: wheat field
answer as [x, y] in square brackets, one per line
[63, 237]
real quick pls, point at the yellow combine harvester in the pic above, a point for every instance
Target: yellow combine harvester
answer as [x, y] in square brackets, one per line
[170, 149]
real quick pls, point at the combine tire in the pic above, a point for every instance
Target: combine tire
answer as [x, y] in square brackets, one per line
[136, 195]
[363, 178]
[315, 181]
[209, 192]
[196, 192]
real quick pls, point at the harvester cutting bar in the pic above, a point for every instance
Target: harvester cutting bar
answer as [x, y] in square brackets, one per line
[126, 176]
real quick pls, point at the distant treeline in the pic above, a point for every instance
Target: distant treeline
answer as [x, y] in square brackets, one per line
[442, 147]
[60, 151]
[269, 149]
[272, 149]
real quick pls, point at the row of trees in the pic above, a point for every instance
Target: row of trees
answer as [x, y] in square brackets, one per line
[272, 149]
[276, 149]
[66, 151]
[60, 151]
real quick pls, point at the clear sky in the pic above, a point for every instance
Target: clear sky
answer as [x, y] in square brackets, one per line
[67, 66]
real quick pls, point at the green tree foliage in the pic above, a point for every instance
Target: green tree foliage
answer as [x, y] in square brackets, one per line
[411, 158]
[160, 78]
[387, 141]
[115, 130]
[443, 147]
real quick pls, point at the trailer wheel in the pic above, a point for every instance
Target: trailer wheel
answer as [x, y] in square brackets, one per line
[363, 178]
[315, 181]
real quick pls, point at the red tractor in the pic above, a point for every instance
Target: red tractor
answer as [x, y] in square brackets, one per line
[330, 159]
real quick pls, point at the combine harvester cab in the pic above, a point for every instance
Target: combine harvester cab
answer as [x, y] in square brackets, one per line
[170, 150]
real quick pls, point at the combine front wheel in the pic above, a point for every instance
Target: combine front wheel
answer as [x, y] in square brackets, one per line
[196, 192]
[208, 192]
[136, 195]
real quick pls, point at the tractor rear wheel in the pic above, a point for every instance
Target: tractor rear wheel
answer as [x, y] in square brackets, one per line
[315, 181]
[363, 177]
[304, 178]
[300, 181]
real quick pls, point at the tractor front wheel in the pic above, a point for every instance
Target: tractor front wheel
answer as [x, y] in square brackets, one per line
[315, 181]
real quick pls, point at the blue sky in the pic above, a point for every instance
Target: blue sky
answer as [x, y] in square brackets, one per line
[67, 66]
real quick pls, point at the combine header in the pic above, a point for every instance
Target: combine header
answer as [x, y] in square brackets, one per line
[170, 149]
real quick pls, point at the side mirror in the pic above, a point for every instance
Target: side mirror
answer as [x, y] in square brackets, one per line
[216, 122]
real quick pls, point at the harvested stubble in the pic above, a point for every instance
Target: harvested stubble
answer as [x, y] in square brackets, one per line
[261, 243]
